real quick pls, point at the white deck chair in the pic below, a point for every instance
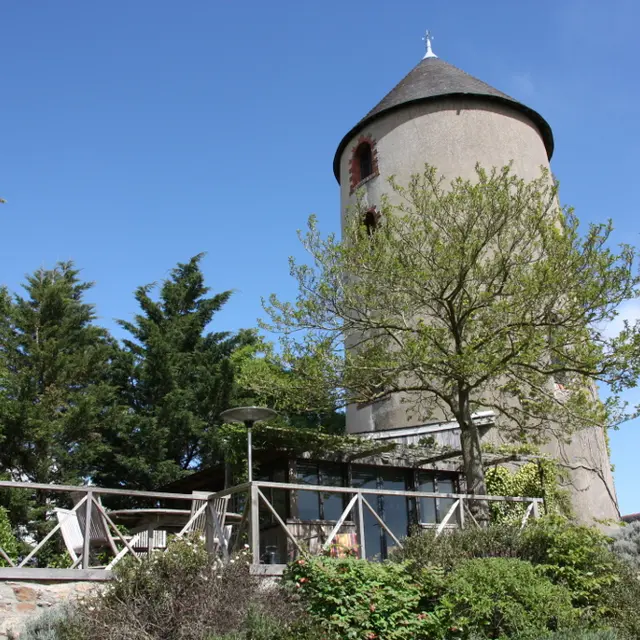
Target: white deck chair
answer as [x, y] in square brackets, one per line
[71, 533]
[140, 541]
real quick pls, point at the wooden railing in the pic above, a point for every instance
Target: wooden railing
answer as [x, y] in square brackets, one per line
[250, 496]
[92, 510]
[357, 503]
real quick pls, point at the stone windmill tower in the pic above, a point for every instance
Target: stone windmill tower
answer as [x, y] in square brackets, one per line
[440, 115]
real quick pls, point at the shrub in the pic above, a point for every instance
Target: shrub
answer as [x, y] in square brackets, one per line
[505, 598]
[574, 556]
[621, 603]
[626, 544]
[355, 598]
[54, 624]
[7, 539]
[606, 634]
[451, 548]
[183, 594]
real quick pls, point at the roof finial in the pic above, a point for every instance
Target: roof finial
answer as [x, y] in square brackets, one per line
[427, 40]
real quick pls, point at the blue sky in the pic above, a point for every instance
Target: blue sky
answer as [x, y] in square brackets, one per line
[134, 135]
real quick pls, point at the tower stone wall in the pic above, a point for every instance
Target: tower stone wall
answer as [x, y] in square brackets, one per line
[453, 133]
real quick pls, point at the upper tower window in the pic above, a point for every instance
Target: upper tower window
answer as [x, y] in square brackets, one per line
[364, 161]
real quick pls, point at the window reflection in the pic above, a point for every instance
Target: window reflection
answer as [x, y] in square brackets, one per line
[313, 505]
[427, 505]
[393, 509]
[446, 485]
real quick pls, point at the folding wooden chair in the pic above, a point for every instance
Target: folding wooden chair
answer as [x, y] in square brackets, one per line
[99, 532]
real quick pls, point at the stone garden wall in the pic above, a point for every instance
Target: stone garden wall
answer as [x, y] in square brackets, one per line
[20, 601]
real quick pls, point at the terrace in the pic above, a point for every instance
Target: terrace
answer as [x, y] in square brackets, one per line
[275, 519]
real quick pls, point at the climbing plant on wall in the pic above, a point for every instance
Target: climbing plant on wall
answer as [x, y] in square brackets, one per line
[537, 479]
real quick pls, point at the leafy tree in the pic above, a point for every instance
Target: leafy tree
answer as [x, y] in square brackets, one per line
[263, 380]
[175, 378]
[472, 295]
[54, 390]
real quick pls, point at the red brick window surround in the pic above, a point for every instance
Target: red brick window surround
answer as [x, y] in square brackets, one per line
[364, 161]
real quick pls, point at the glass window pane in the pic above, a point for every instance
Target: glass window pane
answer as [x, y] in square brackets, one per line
[394, 508]
[427, 505]
[364, 477]
[279, 496]
[446, 485]
[333, 503]
[308, 501]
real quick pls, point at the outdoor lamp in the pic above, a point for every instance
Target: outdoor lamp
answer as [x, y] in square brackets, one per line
[248, 415]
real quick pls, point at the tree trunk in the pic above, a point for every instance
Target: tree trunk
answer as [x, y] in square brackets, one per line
[472, 459]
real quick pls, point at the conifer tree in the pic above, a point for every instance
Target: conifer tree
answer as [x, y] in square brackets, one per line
[54, 390]
[175, 378]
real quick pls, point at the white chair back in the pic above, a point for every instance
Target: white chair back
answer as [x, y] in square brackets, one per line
[140, 542]
[71, 532]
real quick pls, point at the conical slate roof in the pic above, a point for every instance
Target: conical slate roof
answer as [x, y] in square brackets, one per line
[432, 79]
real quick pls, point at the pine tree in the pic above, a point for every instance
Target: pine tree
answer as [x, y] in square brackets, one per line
[54, 390]
[175, 379]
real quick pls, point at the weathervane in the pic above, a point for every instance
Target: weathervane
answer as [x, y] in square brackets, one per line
[427, 41]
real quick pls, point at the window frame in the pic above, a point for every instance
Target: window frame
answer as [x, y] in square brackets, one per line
[294, 507]
[356, 179]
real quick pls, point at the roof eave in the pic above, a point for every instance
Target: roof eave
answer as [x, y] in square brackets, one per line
[542, 125]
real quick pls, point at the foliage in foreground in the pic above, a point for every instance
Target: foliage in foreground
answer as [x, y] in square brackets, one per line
[182, 595]
[505, 598]
[553, 580]
[604, 634]
[354, 598]
[626, 544]
[578, 558]
[489, 598]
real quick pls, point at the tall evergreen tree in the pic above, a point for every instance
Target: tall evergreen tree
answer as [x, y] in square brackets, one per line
[53, 371]
[175, 379]
[54, 390]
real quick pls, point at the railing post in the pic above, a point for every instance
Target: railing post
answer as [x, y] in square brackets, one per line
[254, 524]
[461, 513]
[86, 548]
[363, 546]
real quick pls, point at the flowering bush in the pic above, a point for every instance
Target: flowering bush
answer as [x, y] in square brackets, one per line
[365, 600]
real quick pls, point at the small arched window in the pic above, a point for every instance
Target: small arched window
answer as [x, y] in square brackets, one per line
[365, 160]
[370, 220]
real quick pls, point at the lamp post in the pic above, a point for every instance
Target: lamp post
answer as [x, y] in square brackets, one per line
[248, 415]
